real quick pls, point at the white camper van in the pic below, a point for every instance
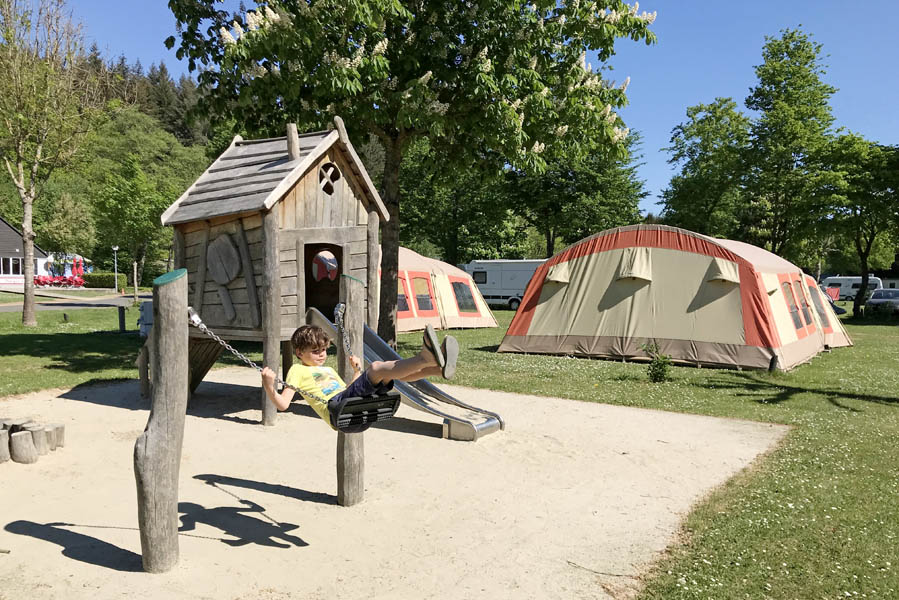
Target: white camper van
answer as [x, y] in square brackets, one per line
[849, 285]
[502, 282]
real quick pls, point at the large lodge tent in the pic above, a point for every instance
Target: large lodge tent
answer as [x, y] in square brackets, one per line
[704, 301]
[432, 291]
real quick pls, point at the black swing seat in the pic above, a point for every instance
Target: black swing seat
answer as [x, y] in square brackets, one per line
[356, 414]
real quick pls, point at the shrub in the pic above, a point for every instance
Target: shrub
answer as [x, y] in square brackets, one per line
[659, 365]
[101, 279]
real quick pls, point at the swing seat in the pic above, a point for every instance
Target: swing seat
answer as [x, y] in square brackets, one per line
[356, 414]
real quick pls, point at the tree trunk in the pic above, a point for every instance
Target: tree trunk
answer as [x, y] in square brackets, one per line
[29, 318]
[390, 241]
[550, 242]
[863, 254]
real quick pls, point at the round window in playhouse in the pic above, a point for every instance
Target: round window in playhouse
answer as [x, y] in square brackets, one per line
[324, 266]
[328, 176]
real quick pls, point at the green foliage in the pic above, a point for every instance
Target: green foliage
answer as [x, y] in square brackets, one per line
[102, 279]
[706, 195]
[494, 81]
[787, 182]
[578, 196]
[659, 365]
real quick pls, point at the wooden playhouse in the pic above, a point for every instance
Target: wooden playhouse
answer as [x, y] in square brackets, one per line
[267, 231]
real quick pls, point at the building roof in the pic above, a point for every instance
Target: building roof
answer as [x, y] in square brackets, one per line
[252, 175]
[11, 241]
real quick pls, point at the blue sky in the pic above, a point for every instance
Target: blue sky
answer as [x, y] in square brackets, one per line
[705, 49]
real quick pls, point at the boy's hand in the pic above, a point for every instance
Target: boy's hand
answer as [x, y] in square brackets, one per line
[357, 366]
[268, 377]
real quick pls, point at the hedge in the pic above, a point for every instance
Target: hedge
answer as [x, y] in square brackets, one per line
[100, 279]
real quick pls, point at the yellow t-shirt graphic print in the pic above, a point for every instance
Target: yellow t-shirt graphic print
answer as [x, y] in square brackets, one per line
[321, 383]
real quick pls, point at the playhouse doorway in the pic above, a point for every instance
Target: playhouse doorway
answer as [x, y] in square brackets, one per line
[323, 267]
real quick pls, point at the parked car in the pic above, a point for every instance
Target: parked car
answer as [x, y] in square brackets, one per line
[884, 300]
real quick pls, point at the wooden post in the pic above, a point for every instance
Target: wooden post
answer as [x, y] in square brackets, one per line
[178, 248]
[286, 358]
[271, 305]
[200, 276]
[373, 283]
[157, 452]
[121, 319]
[350, 446]
[293, 142]
[134, 279]
[143, 367]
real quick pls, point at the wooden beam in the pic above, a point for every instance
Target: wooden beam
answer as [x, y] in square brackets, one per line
[248, 274]
[200, 275]
[350, 446]
[373, 279]
[271, 305]
[157, 452]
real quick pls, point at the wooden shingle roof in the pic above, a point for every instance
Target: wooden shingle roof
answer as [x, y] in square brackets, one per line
[252, 175]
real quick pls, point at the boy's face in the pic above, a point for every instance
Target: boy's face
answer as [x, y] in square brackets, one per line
[314, 357]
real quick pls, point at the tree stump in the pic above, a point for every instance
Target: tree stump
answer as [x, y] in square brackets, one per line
[4, 445]
[157, 452]
[39, 437]
[21, 448]
[17, 425]
[60, 434]
[51, 436]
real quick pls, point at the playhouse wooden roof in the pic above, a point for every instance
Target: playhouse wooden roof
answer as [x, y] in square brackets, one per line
[252, 175]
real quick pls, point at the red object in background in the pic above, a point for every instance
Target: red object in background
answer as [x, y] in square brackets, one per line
[833, 292]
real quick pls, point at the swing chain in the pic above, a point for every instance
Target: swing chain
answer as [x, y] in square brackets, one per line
[339, 311]
[195, 320]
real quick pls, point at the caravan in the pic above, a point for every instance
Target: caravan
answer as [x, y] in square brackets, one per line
[845, 288]
[502, 282]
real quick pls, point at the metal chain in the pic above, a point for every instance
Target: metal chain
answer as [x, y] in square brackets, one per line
[197, 322]
[339, 310]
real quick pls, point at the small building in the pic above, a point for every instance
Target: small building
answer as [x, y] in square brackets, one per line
[12, 256]
[259, 227]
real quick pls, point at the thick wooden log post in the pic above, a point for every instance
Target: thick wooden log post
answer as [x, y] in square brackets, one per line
[373, 284]
[286, 358]
[121, 319]
[350, 446]
[60, 434]
[39, 438]
[271, 306]
[157, 452]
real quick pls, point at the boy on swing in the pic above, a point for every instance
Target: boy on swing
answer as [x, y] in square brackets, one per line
[322, 386]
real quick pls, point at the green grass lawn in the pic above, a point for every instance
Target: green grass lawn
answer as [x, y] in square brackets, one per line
[816, 518]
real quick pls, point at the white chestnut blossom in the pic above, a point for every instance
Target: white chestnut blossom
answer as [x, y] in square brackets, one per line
[561, 130]
[648, 18]
[238, 30]
[272, 16]
[380, 48]
[618, 135]
[254, 20]
[626, 83]
[227, 38]
[537, 148]
[424, 79]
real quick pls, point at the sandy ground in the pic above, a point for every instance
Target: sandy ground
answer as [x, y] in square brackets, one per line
[572, 500]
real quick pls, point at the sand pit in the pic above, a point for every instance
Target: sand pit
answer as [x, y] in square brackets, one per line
[572, 500]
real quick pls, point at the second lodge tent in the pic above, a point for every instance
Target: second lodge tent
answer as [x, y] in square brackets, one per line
[432, 291]
[704, 301]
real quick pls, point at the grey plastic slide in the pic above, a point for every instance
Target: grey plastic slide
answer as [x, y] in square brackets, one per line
[461, 421]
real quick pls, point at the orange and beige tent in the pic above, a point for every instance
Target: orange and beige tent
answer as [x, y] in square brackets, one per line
[431, 291]
[704, 301]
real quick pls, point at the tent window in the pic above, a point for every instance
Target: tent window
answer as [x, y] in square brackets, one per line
[402, 303]
[802, 300]
[422, 293]
[791, 304]
[819, 306]
[464, 298]
[635, 264]
[479, 276]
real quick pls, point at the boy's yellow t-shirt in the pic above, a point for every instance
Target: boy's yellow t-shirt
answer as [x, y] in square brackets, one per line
[322, 383]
